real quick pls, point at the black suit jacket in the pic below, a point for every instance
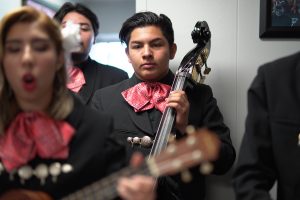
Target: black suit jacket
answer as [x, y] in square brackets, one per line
[203, 112]
[270, 151]
[93, 154]
[97, 76]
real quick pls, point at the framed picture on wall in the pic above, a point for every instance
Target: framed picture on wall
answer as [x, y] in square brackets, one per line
[279, 19]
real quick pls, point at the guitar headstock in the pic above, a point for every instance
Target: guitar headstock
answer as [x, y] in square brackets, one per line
[200, 147]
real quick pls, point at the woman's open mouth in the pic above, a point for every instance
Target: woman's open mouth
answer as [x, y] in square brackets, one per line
[29, 82]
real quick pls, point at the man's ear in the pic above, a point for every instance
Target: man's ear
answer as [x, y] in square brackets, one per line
[173, 50]
[127, 53]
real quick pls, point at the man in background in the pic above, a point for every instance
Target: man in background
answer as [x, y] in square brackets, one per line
[270, 148]
[87, 75]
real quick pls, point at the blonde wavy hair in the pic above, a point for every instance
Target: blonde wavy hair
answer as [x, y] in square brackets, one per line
[62, 102]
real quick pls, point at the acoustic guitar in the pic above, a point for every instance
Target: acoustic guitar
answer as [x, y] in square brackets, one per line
[200, 147]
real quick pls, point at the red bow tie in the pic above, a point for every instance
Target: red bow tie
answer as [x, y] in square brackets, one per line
[146, 95]
[76, 79]
[32, 134]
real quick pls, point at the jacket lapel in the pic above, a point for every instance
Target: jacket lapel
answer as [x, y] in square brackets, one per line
[86, 92]
[140, 119]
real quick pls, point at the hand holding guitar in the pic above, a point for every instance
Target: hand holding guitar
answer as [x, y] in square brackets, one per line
[200, 146]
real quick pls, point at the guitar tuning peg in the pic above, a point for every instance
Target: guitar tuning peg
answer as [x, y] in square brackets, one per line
[190, 129]
[202, 80]
[171, 149]
[186, 176]
[207, 70]
[171, 138]
[206, 168]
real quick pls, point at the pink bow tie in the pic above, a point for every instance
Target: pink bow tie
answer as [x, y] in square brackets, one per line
[76, 79]
[147, 95]
[32, 134]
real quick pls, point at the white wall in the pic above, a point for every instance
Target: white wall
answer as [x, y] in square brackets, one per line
[11, 4]
[236, 53]
[111, 16]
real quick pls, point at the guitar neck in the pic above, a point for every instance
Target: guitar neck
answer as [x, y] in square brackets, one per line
[105, 188]
[199, 147]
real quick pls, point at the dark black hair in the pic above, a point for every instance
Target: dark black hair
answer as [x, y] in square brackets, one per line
[143, 19]
[81, 9]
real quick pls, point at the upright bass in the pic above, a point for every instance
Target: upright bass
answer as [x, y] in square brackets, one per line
[189, 73]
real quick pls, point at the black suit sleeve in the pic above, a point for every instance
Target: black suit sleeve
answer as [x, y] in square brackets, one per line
[255, 173]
